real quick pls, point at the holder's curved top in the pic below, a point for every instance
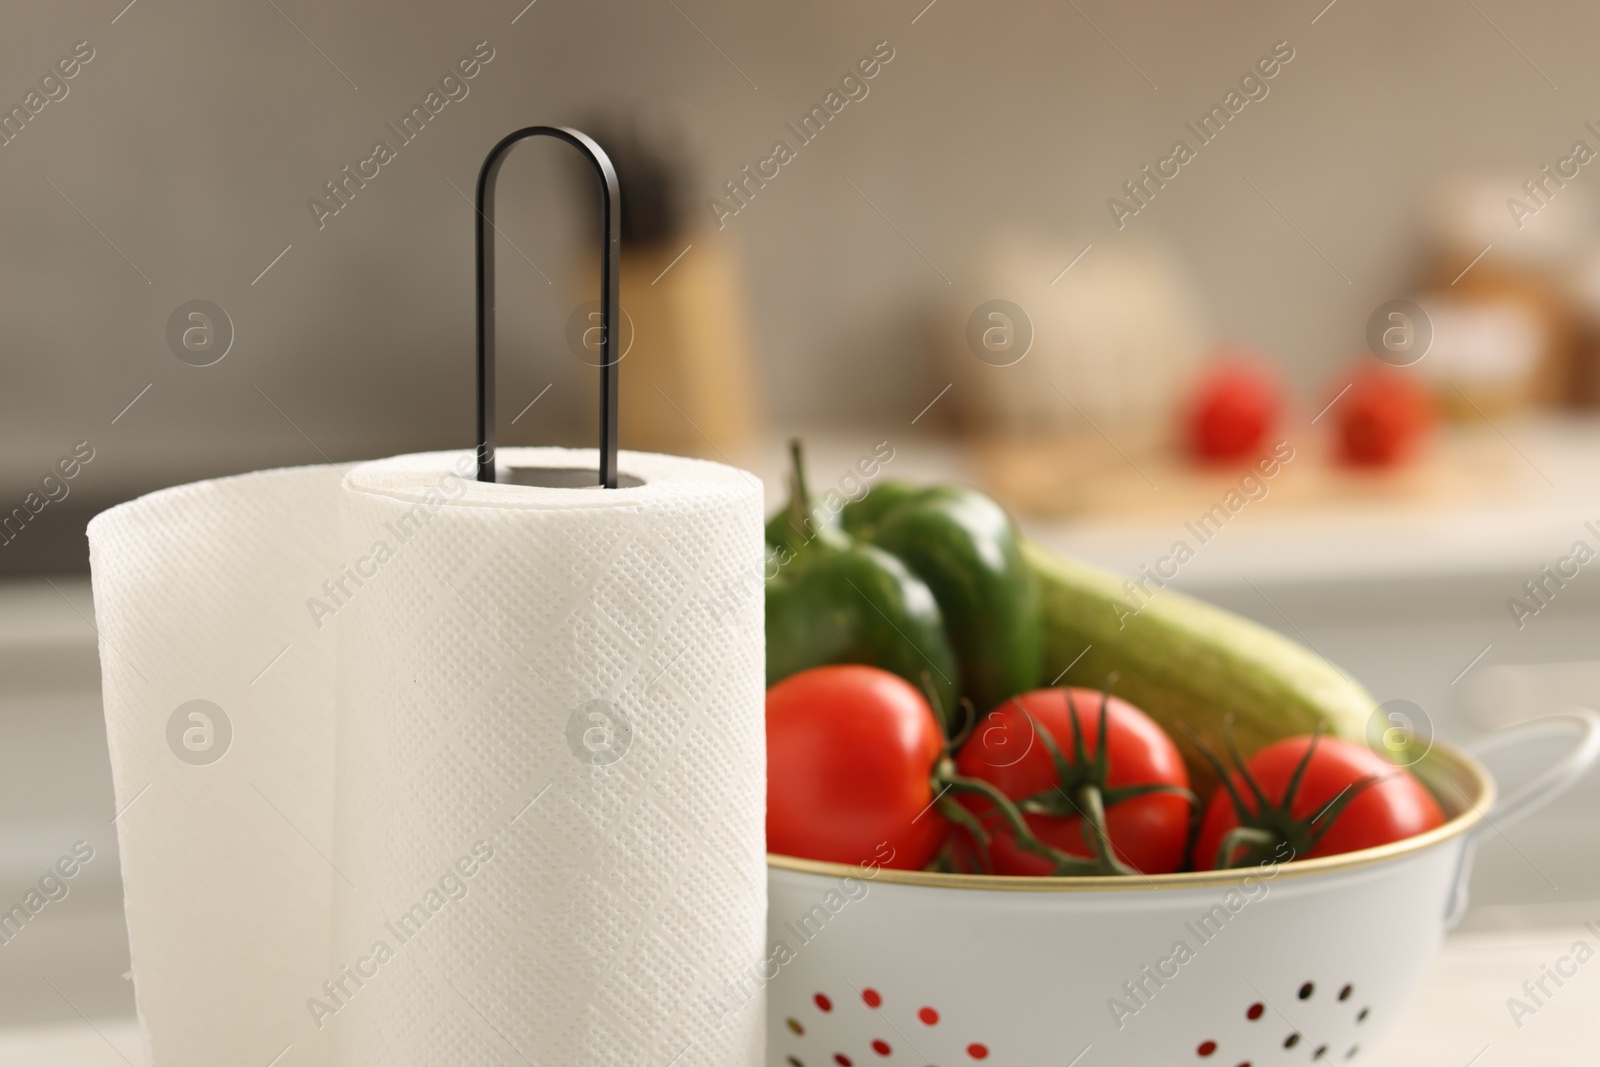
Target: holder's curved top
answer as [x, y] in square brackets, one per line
[611, 221]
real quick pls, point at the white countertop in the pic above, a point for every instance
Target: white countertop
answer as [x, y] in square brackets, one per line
[1461, 1017]
[1546, 487]
[86, 1043]
[1458, 1018]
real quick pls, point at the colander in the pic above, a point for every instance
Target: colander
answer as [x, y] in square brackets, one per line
[1303, 962]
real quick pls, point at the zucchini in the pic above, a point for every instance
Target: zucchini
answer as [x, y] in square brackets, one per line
[1184, 661]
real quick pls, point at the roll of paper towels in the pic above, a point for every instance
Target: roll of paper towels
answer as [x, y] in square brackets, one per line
[412, 769]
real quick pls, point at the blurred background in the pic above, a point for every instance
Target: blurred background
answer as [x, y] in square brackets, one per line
[1375, 256]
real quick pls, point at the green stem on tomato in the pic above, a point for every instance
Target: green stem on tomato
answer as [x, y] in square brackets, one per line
[1064, 862]
[1093, 828]
[957, 813]
[1254, 840]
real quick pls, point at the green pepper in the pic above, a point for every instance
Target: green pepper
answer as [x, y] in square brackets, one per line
[963, 545]
[832, 599]
[928, 583]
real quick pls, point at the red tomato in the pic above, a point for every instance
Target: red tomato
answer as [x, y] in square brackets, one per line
[1235, 408]
[1395, 806]
[851, 752]
[1383, 418]
[1148, 832]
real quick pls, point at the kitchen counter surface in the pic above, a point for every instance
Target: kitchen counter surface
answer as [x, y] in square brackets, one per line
[1532, 504]
[1459, 1018]
[1461, 1015]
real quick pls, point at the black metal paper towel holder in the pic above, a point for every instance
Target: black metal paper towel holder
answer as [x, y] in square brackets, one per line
[611, 232]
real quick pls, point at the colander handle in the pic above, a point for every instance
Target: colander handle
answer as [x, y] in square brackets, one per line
[1579, 724]
[1582, 726]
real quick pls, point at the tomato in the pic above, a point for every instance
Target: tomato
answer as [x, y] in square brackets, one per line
[1374, 801]
[1384, 417]
[1148, 830]
[1233, 411]
[851, 752]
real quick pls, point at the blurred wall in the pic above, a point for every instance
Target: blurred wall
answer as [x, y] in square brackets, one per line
[180, 161]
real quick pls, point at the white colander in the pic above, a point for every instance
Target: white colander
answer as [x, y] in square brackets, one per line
[1308, 961]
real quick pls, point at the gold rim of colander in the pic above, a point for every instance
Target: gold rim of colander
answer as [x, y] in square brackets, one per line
[1445, 770]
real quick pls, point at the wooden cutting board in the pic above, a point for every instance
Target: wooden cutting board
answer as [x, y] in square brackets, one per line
[1098, 476]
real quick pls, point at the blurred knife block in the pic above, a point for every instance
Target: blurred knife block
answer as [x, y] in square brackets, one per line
[688, 382]
[690, 386]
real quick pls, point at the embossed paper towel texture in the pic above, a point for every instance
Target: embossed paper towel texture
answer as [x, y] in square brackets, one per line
[228, 893]
[518, 880]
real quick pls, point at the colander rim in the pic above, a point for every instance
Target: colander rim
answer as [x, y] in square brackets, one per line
[1442, 764]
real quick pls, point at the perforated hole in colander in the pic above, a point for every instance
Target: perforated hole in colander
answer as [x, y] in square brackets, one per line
[1264, 1045]
[872, 1001]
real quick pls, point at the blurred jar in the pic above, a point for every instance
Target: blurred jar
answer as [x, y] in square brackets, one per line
[1500, 293]
[1585, 367]
[1491, 349]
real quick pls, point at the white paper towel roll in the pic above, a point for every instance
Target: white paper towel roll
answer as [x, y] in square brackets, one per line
[493, 792]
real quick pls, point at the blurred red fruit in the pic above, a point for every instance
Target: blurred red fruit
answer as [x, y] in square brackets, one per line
[1234, 409]
[1383, 418]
